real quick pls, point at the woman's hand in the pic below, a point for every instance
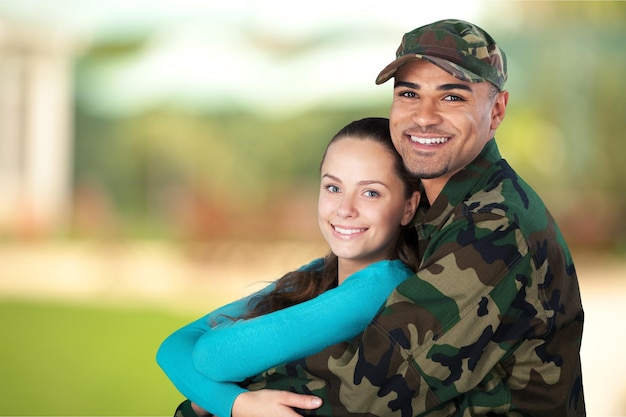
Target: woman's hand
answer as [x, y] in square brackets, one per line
[273, 403]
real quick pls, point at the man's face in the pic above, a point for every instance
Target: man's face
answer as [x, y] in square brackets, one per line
[439, 124]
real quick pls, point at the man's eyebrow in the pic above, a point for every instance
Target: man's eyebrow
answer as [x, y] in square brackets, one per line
[448, 87]
[406, 84]
[443, 87]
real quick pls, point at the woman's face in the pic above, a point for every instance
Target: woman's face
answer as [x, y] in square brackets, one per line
[362, 202]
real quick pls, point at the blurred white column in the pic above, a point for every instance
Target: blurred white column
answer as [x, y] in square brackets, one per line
[35, 130]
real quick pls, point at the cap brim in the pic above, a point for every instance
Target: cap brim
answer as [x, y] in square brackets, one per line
[453, 69]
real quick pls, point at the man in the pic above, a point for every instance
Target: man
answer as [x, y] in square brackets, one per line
[492, 322]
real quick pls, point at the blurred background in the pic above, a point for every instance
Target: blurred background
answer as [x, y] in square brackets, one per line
[160, 158]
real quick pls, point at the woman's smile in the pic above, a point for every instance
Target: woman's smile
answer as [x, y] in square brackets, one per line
[345, 232]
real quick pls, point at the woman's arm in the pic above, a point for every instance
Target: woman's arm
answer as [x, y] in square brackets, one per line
[175, 357]
[348, 310]
[220, 398]
[241, 349]
[175, 353]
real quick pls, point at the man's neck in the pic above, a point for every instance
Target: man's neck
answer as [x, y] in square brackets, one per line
[434, 186]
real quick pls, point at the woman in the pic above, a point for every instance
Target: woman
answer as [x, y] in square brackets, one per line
[367, 201]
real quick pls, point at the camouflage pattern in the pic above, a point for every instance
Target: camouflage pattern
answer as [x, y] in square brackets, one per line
[461, 48]
[490, 325]
[184, 410]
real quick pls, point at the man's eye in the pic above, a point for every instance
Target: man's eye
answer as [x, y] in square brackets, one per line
[453, 98]
[408, 94]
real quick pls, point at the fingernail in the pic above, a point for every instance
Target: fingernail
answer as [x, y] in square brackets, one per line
[316, 402]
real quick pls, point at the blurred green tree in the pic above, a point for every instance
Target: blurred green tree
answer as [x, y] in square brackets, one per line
[189, 172]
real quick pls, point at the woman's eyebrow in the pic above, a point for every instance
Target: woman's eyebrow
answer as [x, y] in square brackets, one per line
[373, 182]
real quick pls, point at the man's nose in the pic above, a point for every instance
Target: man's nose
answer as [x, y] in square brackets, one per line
[426, 113]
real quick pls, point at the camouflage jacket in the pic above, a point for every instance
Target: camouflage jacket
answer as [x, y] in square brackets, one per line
[491, 324]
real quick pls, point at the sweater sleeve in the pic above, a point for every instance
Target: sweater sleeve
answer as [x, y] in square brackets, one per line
[241, 349]
[175, 353]
[174, 357]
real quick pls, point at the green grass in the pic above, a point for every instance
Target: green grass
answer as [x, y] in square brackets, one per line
[71, 360]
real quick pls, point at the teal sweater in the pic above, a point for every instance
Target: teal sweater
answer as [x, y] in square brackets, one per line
[206, 358]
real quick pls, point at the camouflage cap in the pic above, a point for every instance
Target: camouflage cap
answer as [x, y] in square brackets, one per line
[461, 48]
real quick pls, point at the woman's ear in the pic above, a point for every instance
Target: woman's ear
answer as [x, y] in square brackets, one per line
[410, 208]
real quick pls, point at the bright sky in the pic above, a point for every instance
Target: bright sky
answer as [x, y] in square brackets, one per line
[214, 52]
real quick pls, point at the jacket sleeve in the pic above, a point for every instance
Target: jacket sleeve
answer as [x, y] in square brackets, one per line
[235, 351]
[492, 318]
[466, 309]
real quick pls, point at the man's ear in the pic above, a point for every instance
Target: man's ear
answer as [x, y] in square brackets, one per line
[410, 208]
[499, 110]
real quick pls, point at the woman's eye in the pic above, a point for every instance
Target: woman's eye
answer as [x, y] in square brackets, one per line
[332, 188]
[371, 193]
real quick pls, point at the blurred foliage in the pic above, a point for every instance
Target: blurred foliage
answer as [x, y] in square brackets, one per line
[181, 172]
[225, 174]
[565, 125]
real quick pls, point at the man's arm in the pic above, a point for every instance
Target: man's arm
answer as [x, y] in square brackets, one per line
[475, 327]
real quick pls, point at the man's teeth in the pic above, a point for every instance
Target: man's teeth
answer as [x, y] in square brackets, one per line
[348, 231]
[428, 141]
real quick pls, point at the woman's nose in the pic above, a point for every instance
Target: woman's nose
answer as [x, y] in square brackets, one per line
[346, 208]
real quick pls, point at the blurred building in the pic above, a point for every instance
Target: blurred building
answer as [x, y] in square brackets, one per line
[35, 129]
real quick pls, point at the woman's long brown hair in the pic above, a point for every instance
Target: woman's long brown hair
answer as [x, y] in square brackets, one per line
[302, 285]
